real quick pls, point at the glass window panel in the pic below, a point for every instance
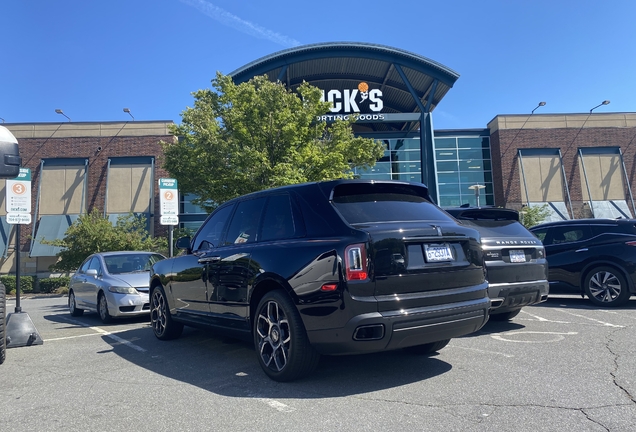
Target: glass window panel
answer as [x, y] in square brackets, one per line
[470, 165]
[473, 177]
[385, 176]
[444, 143]
[406, 156]
[408, 177]
[472, 142]
[450, 201]
[405, 144]
[447, 177]
[446, 154]
[447, 166]
[470, 154]
[448, 188]
[406, 167]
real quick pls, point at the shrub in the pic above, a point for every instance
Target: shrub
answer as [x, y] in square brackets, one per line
[26, 283]
[52, 285]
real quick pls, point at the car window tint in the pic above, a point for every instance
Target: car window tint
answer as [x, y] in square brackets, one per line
[541, 234]
[278, 222]
[96, 265]
[210, 233]
[245, 222]
[570, 234]
[85, 266]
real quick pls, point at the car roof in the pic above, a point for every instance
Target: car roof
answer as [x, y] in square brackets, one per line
[584, 222]
[110, 253]
[483, 213]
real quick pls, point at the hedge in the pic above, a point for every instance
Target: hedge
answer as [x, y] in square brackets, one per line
[26, 283]
[50, 285]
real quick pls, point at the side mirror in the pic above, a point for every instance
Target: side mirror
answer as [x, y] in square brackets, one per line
[91, 272]
[183, 242]
[10, 159]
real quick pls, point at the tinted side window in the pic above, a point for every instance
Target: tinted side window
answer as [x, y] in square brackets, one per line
[86, 265]
[210, 233]
[278, 222]
[541, 234]
[566, 234]
[245, 222]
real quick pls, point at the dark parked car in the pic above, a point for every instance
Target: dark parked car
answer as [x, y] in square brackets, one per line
[336, 267]
[596, 257]
[516, 268]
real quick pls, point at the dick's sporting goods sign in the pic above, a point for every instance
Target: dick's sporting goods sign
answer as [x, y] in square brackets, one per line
[350, 101]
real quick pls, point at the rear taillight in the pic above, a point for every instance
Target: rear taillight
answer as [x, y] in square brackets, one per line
[356, 262]
[540, 252]
[631, 243]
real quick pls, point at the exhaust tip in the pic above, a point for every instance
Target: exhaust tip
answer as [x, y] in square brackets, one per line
[495, 303]
[369, 332]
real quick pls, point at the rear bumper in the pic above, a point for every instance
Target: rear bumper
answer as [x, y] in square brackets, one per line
[396, 329]
[507, 297]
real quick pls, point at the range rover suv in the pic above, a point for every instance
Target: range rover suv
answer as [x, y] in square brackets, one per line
[335, 267]
[516, 267]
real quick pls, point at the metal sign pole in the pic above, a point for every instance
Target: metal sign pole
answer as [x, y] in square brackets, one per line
[18, 308]
[171, 240]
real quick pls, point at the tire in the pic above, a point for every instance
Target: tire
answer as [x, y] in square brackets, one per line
[163, 326]
[3, 313]
[606, 286]
[428, 348]
[72, 305]
[506, 316]
[102, 309]
[280, 339]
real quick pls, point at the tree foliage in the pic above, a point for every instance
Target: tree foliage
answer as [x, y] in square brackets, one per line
[92, 232]
[257, 135]
[531, 216]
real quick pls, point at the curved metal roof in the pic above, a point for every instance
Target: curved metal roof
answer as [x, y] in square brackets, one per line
[340, 65]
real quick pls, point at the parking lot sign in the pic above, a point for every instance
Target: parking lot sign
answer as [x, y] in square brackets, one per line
[18, 198]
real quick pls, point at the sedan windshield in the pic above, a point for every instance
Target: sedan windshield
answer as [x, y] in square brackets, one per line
[129, 263]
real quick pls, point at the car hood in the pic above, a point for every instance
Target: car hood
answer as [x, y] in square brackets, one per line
[136, 279]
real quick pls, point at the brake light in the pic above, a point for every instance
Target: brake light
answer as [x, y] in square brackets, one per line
[356, 262]
[631, 243]
[328, 287]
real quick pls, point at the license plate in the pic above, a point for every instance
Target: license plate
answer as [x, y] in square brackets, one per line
[517, 256]
[436, 253]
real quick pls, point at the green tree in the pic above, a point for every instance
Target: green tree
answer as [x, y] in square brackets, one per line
[531, 216]
[92, 232]
[257, 135]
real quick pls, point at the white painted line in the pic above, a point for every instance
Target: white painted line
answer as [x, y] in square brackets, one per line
[277, 405]
[554, 336]
[482, 351]
[591, 319]
[538, 318]
[110, 335]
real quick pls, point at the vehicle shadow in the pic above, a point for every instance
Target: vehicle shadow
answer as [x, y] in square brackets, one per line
[575, 301]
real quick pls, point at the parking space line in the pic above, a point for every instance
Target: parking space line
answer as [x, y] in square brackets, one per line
[538, 318]
[606, 324]
[110, 335]
[482, 351]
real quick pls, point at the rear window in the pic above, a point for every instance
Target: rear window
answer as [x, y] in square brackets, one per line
[382, 203]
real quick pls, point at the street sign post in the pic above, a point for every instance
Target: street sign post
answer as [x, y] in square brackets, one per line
[169, 207]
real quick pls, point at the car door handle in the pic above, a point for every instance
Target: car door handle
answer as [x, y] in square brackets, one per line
[211, 259]
[581, 250]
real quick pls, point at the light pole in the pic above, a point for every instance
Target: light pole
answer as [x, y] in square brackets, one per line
[540, 105]
[127, 110]
[477, 188]
[605, 102]
[59, 111]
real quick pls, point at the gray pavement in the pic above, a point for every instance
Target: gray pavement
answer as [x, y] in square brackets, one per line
[561, 365]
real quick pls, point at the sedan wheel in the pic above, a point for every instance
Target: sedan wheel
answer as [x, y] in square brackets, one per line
[281, 342]
[72, 305]
[160, 319]
[605, 286]
[102, 308]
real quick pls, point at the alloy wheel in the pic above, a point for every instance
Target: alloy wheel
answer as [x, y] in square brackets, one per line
[273, 336]
[605, 287]
[158, 313]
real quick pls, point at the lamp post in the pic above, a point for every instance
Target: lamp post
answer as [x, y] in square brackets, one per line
[59, 111]
[127, 110]
[477, 188]
[605, 102]
[540, 105]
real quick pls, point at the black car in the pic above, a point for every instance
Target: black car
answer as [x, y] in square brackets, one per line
[596, 257]
[335, 267]
[516, 268]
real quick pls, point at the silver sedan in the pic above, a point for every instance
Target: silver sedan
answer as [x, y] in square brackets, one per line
[114, 284]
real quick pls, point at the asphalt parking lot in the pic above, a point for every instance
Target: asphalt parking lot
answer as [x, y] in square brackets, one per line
[561, 365]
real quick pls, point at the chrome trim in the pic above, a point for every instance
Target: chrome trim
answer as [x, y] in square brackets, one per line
[503, 284]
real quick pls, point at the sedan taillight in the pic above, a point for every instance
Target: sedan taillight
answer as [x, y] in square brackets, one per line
[356, 262]
[631, 243]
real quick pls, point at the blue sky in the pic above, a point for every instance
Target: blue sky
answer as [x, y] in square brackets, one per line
[91, 59]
